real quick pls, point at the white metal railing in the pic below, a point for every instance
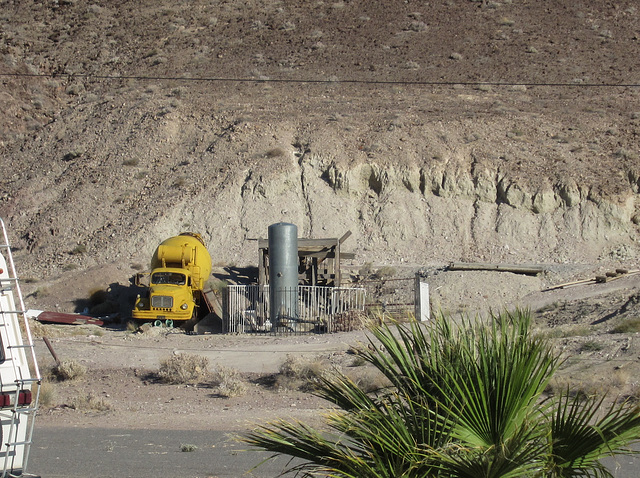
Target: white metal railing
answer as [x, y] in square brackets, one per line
[308, 309]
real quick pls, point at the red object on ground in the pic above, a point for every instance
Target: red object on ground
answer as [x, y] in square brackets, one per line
[64, 318]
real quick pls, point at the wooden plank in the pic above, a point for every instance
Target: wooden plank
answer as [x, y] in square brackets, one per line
[344, 237]
[50, 347]
[568, 284]
[327, 255]
[486, 266]
[599, 279]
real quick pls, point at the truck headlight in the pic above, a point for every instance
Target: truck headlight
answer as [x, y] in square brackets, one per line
[184, 306]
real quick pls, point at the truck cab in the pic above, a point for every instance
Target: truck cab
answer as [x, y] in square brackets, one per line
[169, 297]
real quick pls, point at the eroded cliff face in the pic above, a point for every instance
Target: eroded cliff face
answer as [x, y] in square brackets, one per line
[419, 216]
[106, 182]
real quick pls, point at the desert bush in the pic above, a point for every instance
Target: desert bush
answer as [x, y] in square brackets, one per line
[369, 380]
[40, 292]
[366, 270]
[300, 373]
[100, 303]
[97, 296]
[358, 361]
[38, 329]
[68, 370]
[184, 368]
[385, 272]
[352, 320]
[275, 153]
[228, 382]
[567, 331]
[47, 394]
[105, 308]
[187, 448]
[591, 346]
[91, 402]
[628, 326]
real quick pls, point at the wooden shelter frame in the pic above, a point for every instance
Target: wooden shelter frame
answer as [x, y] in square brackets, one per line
[318, 261]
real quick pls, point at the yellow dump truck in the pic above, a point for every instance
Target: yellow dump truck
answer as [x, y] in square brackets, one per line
[174, 294]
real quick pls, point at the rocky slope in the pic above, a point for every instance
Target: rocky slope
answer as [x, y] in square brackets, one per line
[435, 132]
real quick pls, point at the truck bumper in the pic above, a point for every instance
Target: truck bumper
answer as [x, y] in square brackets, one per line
[147, 315]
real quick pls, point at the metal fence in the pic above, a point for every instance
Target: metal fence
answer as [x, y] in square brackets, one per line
[303, 309]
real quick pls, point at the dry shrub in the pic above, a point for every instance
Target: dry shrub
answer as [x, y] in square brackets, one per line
[300, 373]
[47, 394]
[275, 153]
[633, 393]
[68, 370]
[628, 326]
[577, 388]
[229, 382]
[184, 368]
[349, 321]
[369, 379]
[91, 402]
[38, 329]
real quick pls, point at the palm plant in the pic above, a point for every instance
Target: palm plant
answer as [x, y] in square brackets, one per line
[463, 401]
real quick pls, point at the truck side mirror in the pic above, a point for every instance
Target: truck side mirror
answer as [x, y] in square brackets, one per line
[142, 279]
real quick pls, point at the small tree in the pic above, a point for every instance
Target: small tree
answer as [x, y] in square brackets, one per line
[465, 402]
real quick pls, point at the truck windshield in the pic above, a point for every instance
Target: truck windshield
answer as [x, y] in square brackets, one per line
[173, 278]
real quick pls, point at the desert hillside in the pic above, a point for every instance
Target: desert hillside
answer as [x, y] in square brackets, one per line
[501, 131]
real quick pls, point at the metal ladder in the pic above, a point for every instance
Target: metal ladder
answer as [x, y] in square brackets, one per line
[19, 411]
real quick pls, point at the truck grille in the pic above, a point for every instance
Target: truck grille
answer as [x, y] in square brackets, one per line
[162, 301]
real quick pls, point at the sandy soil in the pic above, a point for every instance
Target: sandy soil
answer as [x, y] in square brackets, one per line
[122, 376]
[121, 387]
[476, 131]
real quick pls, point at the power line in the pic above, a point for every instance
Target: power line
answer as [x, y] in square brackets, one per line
[318, 81]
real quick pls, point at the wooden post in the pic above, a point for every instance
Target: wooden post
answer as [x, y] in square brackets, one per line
[336, 264]
[50, 347]
[421, 302]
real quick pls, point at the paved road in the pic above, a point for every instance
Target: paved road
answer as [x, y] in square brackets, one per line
[102, 453]
[106, 453]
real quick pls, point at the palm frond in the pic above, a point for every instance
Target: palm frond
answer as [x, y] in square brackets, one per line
[464, 402]
[581, 434]
[497, 386]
